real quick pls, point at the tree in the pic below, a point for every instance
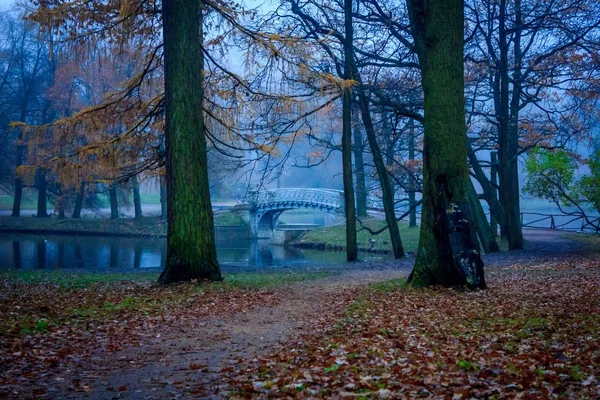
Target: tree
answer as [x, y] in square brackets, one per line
[448, 251]
[191, 251]
[551, 176]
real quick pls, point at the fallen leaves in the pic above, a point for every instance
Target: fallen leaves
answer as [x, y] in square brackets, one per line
[46, 329]
[534, 334]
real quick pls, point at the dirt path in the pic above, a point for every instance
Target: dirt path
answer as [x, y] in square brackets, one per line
[187, 363]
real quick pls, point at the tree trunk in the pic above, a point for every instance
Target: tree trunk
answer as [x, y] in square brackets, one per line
[448, 251]
[382, 173]
[42, 207]
[16, 210]
[191, 251]
[114, 203]
[163, 197]
[351, 247]
[480, 223]
[508, 143]
[137, 200]
[412, 219]
[489, 190]
[359, 166]
[79, 201]
[494, 191]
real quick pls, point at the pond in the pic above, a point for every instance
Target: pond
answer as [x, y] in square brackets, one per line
[110, 253]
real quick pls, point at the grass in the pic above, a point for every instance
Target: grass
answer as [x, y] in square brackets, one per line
[229, 218]
[145, 226]
[55, 298]
[27, 203]
[591, 241]
[80, 280]
[67, 280]
[265, 280]
[334, 238]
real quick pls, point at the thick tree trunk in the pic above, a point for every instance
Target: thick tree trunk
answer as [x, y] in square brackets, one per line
[163, 197]
[448, 251]
[137, 200]
[412, 219]
[42, 206]
[114, 203]
[382, 172]
[191, 251]
[351, 247]
[79, 201]
[359, 167]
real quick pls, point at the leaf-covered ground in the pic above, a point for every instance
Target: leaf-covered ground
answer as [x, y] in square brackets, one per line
[534, 334]
[360, 333]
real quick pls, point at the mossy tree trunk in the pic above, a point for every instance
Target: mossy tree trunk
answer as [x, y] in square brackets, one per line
[191, 251]
[350, 209]
[448, 251]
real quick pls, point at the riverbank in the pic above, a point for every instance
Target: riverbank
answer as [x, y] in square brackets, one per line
[334, 238]
[144, 227]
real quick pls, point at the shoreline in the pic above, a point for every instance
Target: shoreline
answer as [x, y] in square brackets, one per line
[147, 227]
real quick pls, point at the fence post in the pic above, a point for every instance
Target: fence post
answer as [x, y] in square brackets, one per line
[552, 226]
[521, 219]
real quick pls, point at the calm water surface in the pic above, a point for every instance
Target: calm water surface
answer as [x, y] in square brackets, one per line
[99, 253]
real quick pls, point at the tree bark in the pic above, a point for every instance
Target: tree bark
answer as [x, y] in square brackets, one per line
[79, 201]
[359, 167]
[480, 223]
[137, 200]
[114, 202]
[448, 251]
[412, 219]
[351, 247]
[494, 191]
[42, 206]
[191, 251]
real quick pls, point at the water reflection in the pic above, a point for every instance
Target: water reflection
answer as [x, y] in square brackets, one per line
[25, 251]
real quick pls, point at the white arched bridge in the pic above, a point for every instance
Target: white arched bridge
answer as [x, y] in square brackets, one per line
[266, 206]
